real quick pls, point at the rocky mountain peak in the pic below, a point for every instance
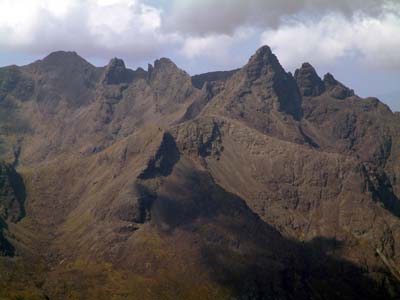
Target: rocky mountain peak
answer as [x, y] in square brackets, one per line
[61, 54]
[62, 59]
[263, 54]
[117, 73]
[165, 72]
[61, 63]
[163, 67]
[308, 81]
[245, 182]
[263, 62]
[329, 80]
[164, 63]
[63, 76]
[116, 63]
[335, 88]
[271, 83]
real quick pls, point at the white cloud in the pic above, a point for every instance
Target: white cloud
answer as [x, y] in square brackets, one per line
[218, 48]
[99, 28]
[369, 40]
[216, 33]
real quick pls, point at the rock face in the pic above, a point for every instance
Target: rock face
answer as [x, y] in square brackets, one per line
[308, 81]
[266, 77]
[12, 194]
[117, 73]
[12, 198]
[246, 184]
[199, 80]
[335, 88]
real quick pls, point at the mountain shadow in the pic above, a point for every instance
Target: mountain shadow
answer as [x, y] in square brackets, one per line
[249, 256]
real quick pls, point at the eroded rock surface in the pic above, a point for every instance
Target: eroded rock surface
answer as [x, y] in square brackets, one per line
[245, 184]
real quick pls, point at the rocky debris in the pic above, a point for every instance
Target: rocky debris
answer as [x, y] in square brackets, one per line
[308, 81]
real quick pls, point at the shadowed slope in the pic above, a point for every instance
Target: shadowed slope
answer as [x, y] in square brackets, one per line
[140, 185]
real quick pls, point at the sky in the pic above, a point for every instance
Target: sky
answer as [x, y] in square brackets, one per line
[356, 40]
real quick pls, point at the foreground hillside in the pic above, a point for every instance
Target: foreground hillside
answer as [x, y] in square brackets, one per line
[248, 184]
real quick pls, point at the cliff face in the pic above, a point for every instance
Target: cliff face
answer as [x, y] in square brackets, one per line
[250, 184]
[12, 198]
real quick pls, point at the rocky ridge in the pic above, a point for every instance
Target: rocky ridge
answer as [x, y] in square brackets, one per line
[249, 184]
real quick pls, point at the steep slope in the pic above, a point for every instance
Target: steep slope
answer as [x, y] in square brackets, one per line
[339, 121]
[251, 184]
[263, 96]
[200, 79]
[74, 106]
[12, 197]
[305, 194]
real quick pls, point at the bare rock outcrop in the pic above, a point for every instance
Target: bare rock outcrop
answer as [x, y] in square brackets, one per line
[246, 184]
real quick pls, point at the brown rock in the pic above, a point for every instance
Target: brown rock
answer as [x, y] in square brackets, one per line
[248, 184]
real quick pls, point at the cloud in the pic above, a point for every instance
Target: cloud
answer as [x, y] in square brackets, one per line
[129, 28]
[370, 40]
[219, 49]
[202, 17]
[202, 35]
[217, 33]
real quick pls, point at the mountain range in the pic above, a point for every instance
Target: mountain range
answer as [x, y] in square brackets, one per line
[248, 184]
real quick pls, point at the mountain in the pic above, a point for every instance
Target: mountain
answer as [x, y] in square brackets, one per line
[152, 184]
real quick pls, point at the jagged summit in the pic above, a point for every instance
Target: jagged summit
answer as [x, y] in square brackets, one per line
[264, 53]
[117, 73]
[228, 185]
[262, 63]
[164, 62]
[335, 88]
[271, 83]
[165, 75]
[329, 80]
[162, 66]
[310, 84]
[116, 63]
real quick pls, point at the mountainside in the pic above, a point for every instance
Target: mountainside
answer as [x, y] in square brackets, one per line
[152, 184]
